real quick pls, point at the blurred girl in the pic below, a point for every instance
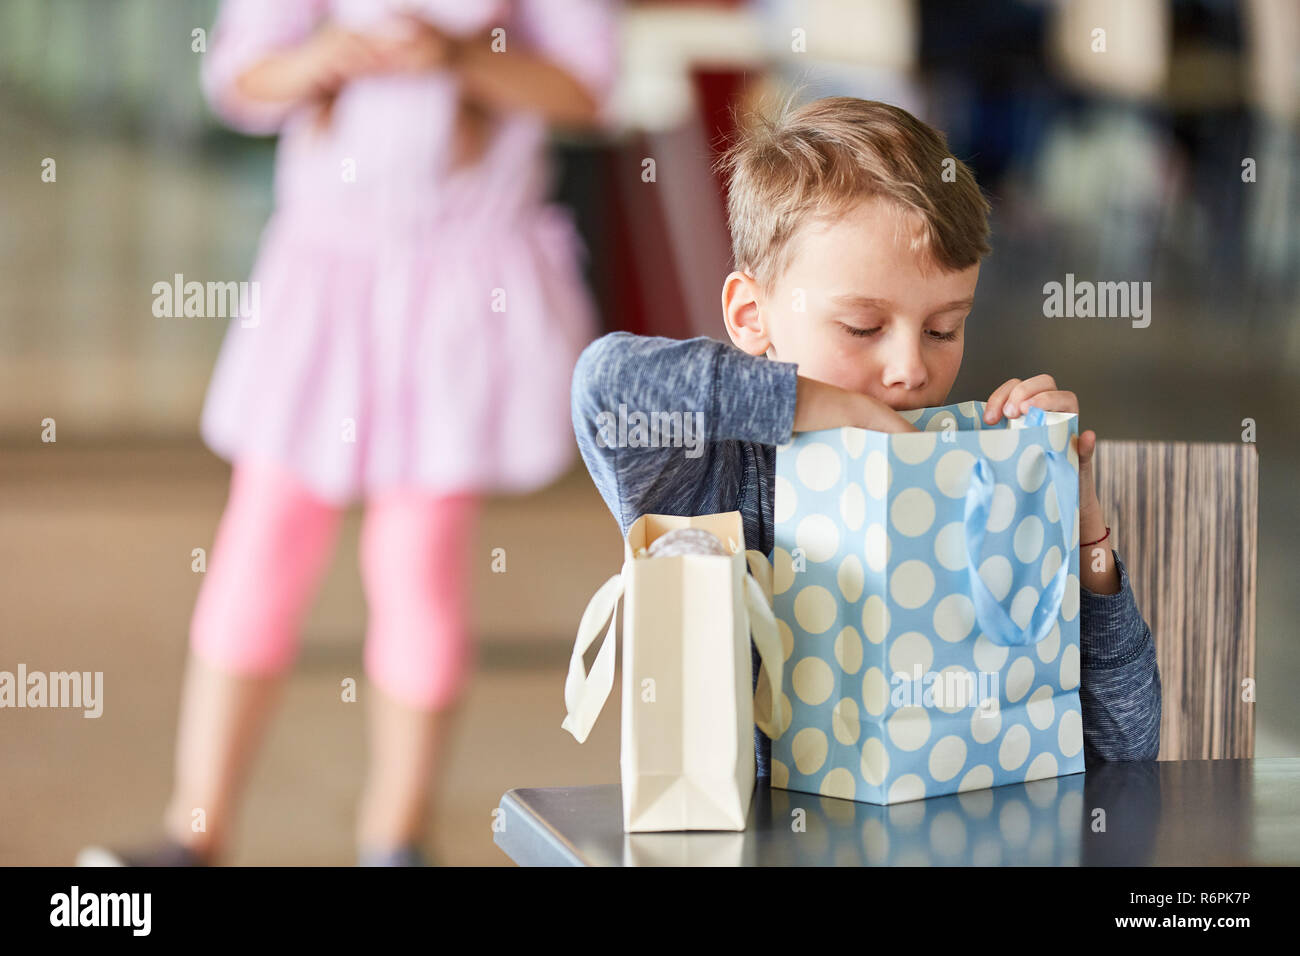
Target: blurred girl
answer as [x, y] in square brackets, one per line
[421, 309]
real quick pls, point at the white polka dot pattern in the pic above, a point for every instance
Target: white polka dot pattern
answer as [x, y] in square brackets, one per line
[896, 691]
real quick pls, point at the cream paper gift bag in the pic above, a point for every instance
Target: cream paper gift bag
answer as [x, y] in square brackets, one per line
[687, 756]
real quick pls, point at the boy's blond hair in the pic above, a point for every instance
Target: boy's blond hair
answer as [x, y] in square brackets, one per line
[818, 161]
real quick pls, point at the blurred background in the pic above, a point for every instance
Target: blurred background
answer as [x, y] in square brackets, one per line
[1126, 165]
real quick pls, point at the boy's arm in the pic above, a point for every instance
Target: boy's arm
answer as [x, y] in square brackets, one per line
[1119, 685]
[718, 391]
[728, 394]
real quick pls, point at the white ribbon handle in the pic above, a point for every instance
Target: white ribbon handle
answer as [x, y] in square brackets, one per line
[585, 694]
[761, 568]
[762, 625]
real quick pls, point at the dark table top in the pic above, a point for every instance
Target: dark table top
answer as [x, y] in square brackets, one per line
[1152, 813]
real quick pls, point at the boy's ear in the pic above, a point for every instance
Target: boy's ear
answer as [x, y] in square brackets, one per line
[741, 314]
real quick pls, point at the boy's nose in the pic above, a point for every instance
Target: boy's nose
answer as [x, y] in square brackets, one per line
[904, 369]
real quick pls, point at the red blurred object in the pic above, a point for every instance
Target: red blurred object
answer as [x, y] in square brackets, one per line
[650, 277]
[646, 292]
[716, 91]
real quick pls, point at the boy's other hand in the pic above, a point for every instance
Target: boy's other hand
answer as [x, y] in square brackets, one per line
[1014, 398]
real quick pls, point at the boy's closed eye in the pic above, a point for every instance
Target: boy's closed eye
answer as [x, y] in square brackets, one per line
[939, 335]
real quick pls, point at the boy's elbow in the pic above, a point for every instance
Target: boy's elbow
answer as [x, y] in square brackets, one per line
[589, 360]
[1147, 746]
[1150, 744]
[595, 369]
[587, 391]
[1158, 703]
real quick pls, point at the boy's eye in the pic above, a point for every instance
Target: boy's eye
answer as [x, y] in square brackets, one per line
[934, 333]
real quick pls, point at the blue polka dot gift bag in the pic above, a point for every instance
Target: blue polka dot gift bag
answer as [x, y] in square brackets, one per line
[926, 589]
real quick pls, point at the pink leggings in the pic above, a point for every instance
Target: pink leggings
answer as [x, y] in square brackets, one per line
[273, 545]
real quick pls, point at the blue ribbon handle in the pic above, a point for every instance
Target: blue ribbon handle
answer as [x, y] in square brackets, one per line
[992, 617]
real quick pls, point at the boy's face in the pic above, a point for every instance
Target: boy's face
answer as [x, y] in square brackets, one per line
[855, 309]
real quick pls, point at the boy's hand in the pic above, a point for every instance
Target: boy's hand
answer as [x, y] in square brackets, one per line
[1014, 398]
[819, 405]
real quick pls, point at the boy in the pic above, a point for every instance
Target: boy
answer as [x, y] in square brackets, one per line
[857, 241]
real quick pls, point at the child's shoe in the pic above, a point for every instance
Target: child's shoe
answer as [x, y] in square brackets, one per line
[407, 855]
[167, 852]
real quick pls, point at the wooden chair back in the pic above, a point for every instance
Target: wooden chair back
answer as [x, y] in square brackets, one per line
[1184, 521]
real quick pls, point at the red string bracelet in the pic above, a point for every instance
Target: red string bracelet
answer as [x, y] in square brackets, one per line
[1088, 544]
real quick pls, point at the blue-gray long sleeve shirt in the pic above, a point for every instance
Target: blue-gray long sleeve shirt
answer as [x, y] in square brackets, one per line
[745, 407]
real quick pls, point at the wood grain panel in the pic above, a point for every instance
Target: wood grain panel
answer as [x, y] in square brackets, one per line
[1184, 519]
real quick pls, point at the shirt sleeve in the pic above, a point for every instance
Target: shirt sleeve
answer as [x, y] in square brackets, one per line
[1119, 685]
[582, 36]
[245, 32]
[731, 395]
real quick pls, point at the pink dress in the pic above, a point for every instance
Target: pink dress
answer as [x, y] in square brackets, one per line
[415, 325]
